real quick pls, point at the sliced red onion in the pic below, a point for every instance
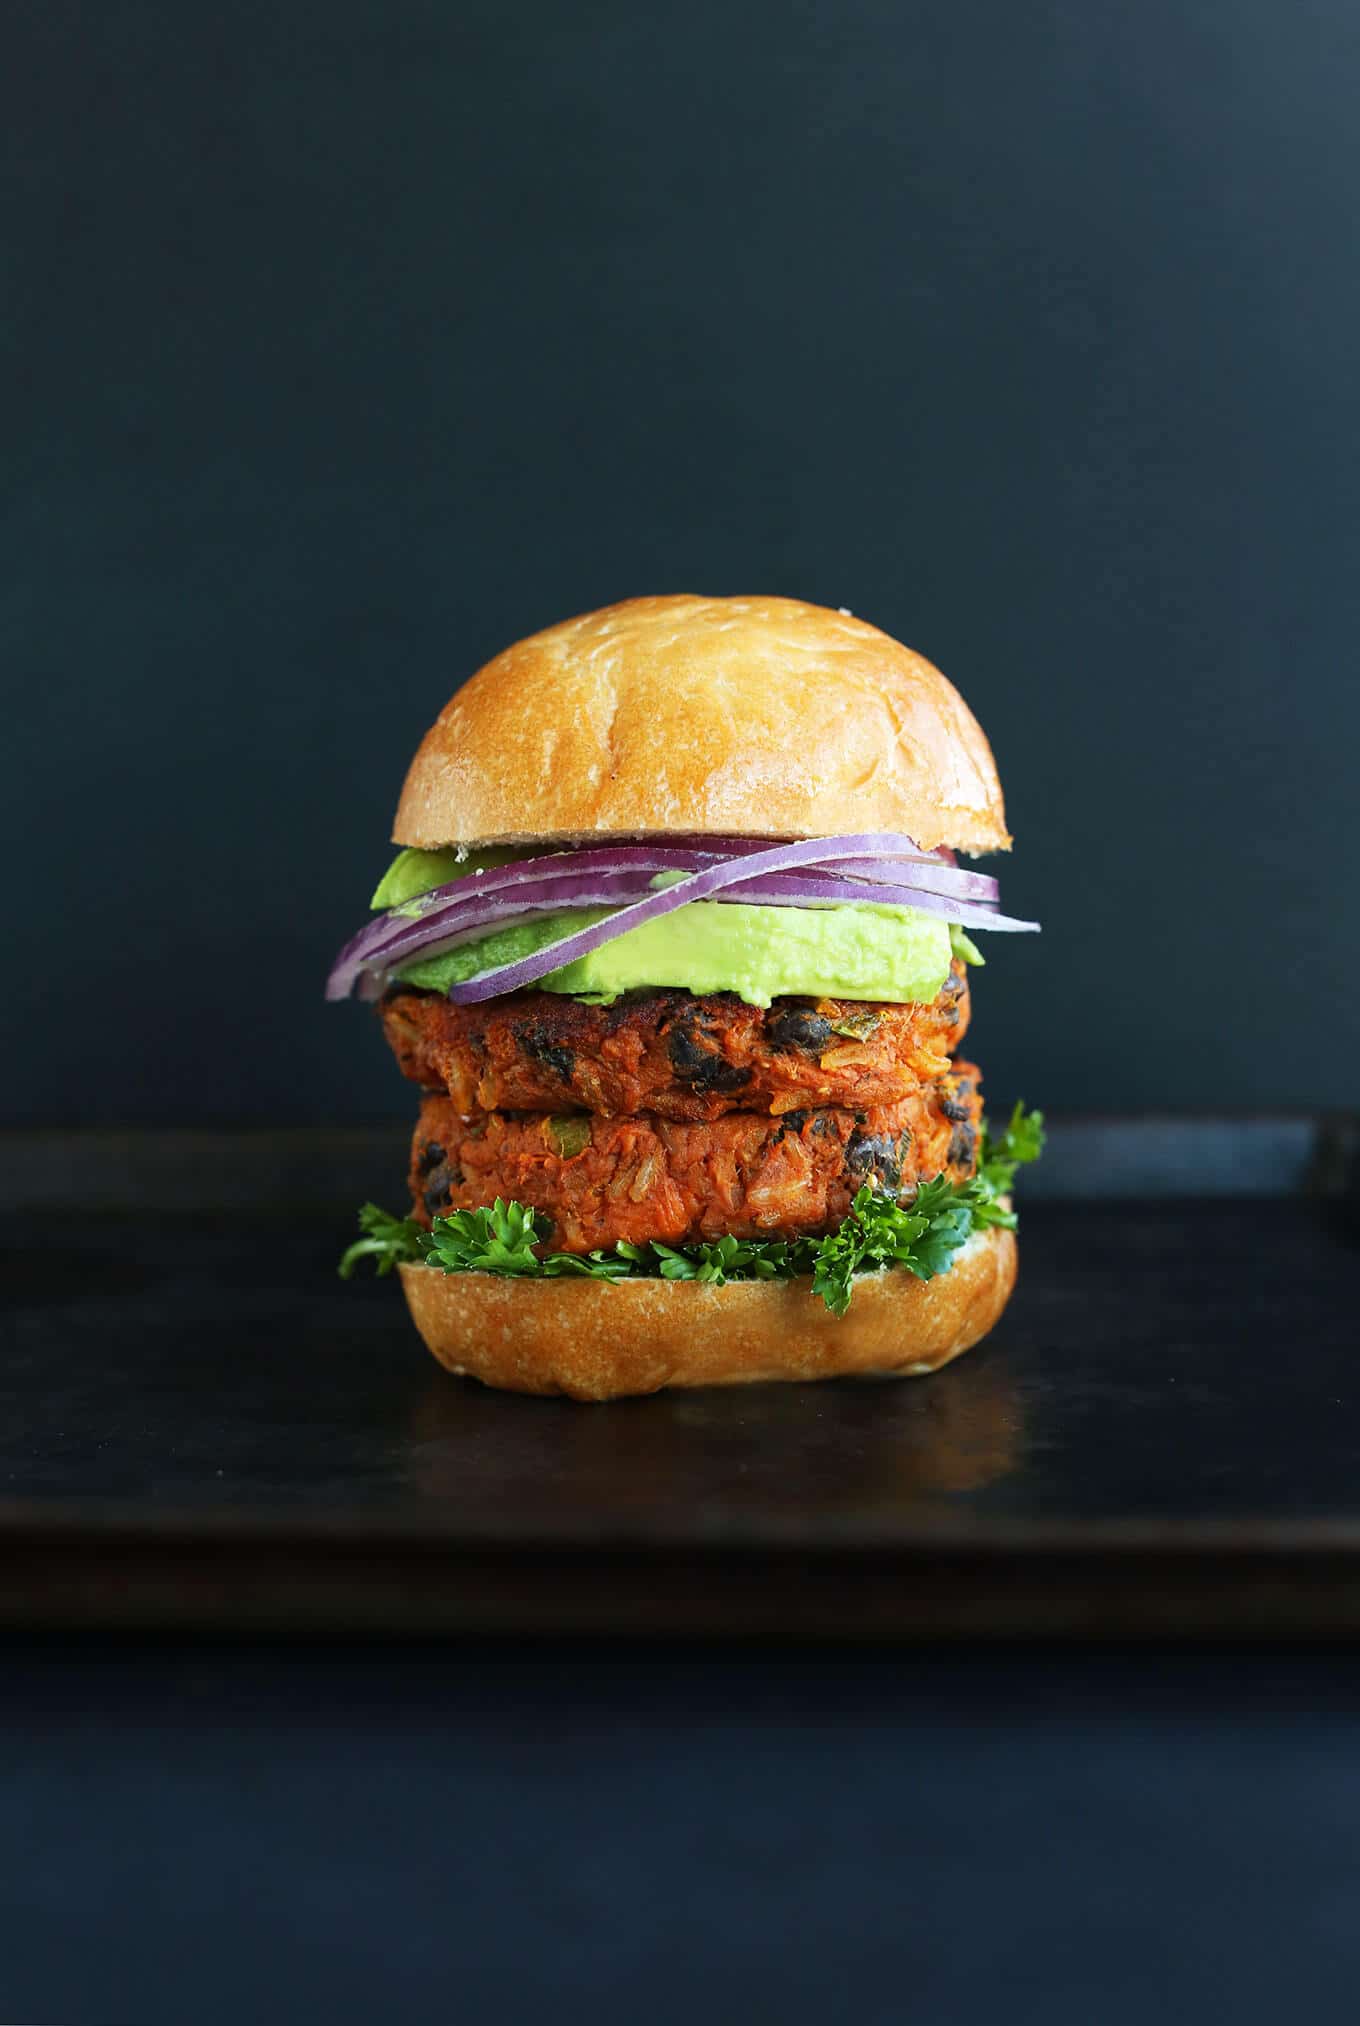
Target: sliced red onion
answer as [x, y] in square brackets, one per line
[406, 940]
[396, 938]
[914, 872]
[452, 899]
[812, 889]
[401, 931]
[746, 874]
[461, 903]
[873, 869]
[586, 880]
[558, 864]
[681, 855]
[649, 859]
[728, 847]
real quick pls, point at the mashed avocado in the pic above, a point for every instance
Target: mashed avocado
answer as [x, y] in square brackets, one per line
[760, 953]
[415, 872]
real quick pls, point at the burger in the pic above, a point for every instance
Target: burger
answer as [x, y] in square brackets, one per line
[676, 951]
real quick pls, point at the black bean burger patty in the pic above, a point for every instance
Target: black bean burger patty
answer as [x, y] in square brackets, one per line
[671, 1055]
[747, 1173]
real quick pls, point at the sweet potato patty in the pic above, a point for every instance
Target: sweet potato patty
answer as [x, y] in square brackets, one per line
[603, 1179]
[671, 1055]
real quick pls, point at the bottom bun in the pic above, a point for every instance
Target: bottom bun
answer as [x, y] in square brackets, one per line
[598, 1340]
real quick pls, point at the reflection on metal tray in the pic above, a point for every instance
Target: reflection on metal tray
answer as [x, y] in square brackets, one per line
[202, 1427]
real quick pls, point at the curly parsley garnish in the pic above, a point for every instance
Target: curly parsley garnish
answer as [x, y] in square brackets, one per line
[921, 1236]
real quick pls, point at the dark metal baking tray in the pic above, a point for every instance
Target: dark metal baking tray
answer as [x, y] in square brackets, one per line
[203, 1429]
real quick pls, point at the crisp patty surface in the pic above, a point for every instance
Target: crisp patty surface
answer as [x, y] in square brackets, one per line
[637, 1178]
[667, 1054]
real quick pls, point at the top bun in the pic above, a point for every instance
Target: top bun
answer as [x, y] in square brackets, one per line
[758, 717]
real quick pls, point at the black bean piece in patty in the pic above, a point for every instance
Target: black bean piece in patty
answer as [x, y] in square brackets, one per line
[955, 1107]
[699, 1067]
[951, 992]
[798, 1025]
[552, 1054]
[878, 1157]
[962, 1145]
[431, 1154]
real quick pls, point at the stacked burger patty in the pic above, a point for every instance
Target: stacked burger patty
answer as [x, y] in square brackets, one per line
[673, 1117]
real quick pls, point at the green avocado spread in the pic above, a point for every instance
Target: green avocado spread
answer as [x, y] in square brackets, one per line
[760, 953]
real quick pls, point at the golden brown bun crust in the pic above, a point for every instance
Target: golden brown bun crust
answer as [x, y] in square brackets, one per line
[758, 716]
[597, 1341]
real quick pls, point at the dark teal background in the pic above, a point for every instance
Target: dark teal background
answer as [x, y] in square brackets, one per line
[787, 1837]
[342, 345]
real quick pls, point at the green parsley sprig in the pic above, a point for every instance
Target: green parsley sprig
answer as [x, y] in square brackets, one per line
[386, 1240]
[1020, 1141]
[922, 1237]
